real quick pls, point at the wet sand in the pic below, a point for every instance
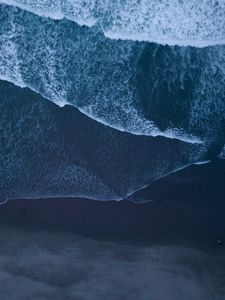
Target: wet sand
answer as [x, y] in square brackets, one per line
[188, 209]
[79, 249]
[89, 250]
[149, 223]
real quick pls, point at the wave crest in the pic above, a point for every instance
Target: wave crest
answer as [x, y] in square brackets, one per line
[141, 88]
[176, 22]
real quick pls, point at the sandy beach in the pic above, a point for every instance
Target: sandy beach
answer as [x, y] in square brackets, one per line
[168, 248]
[60, 248]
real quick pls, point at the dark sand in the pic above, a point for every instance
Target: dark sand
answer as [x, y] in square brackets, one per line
[80, 249]
[189, 209]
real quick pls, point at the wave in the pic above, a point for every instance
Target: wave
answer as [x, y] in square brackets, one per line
[141, 88]
[183, 23]
[47, 151]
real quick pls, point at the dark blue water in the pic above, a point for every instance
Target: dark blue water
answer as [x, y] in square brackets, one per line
[112, 100]
[132, 98]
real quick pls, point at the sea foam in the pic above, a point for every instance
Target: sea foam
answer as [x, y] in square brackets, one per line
[47, 151]
[176, 22]
[142, 88]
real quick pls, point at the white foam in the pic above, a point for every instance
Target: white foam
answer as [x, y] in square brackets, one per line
[222, 154]
[79, 11]
[78, 66]
[176, 22]
[9, 62]
[203, 162]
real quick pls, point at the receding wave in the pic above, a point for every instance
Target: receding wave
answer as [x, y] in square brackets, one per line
[47, 151]
[142, 88]
[176, 22]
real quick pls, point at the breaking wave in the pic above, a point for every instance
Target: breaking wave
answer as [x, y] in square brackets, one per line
[176, 22]
[166, 100]
[142, 88]
[48, 151]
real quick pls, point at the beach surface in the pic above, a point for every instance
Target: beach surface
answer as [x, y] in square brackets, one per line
[83, 249]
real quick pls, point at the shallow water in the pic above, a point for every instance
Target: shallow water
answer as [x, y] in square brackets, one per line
[123, 102]
[139, 87]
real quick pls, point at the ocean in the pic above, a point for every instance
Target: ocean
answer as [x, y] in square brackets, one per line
[142, 78]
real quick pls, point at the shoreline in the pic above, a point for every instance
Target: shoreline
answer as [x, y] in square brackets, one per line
[188, 209]
[153, 223]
